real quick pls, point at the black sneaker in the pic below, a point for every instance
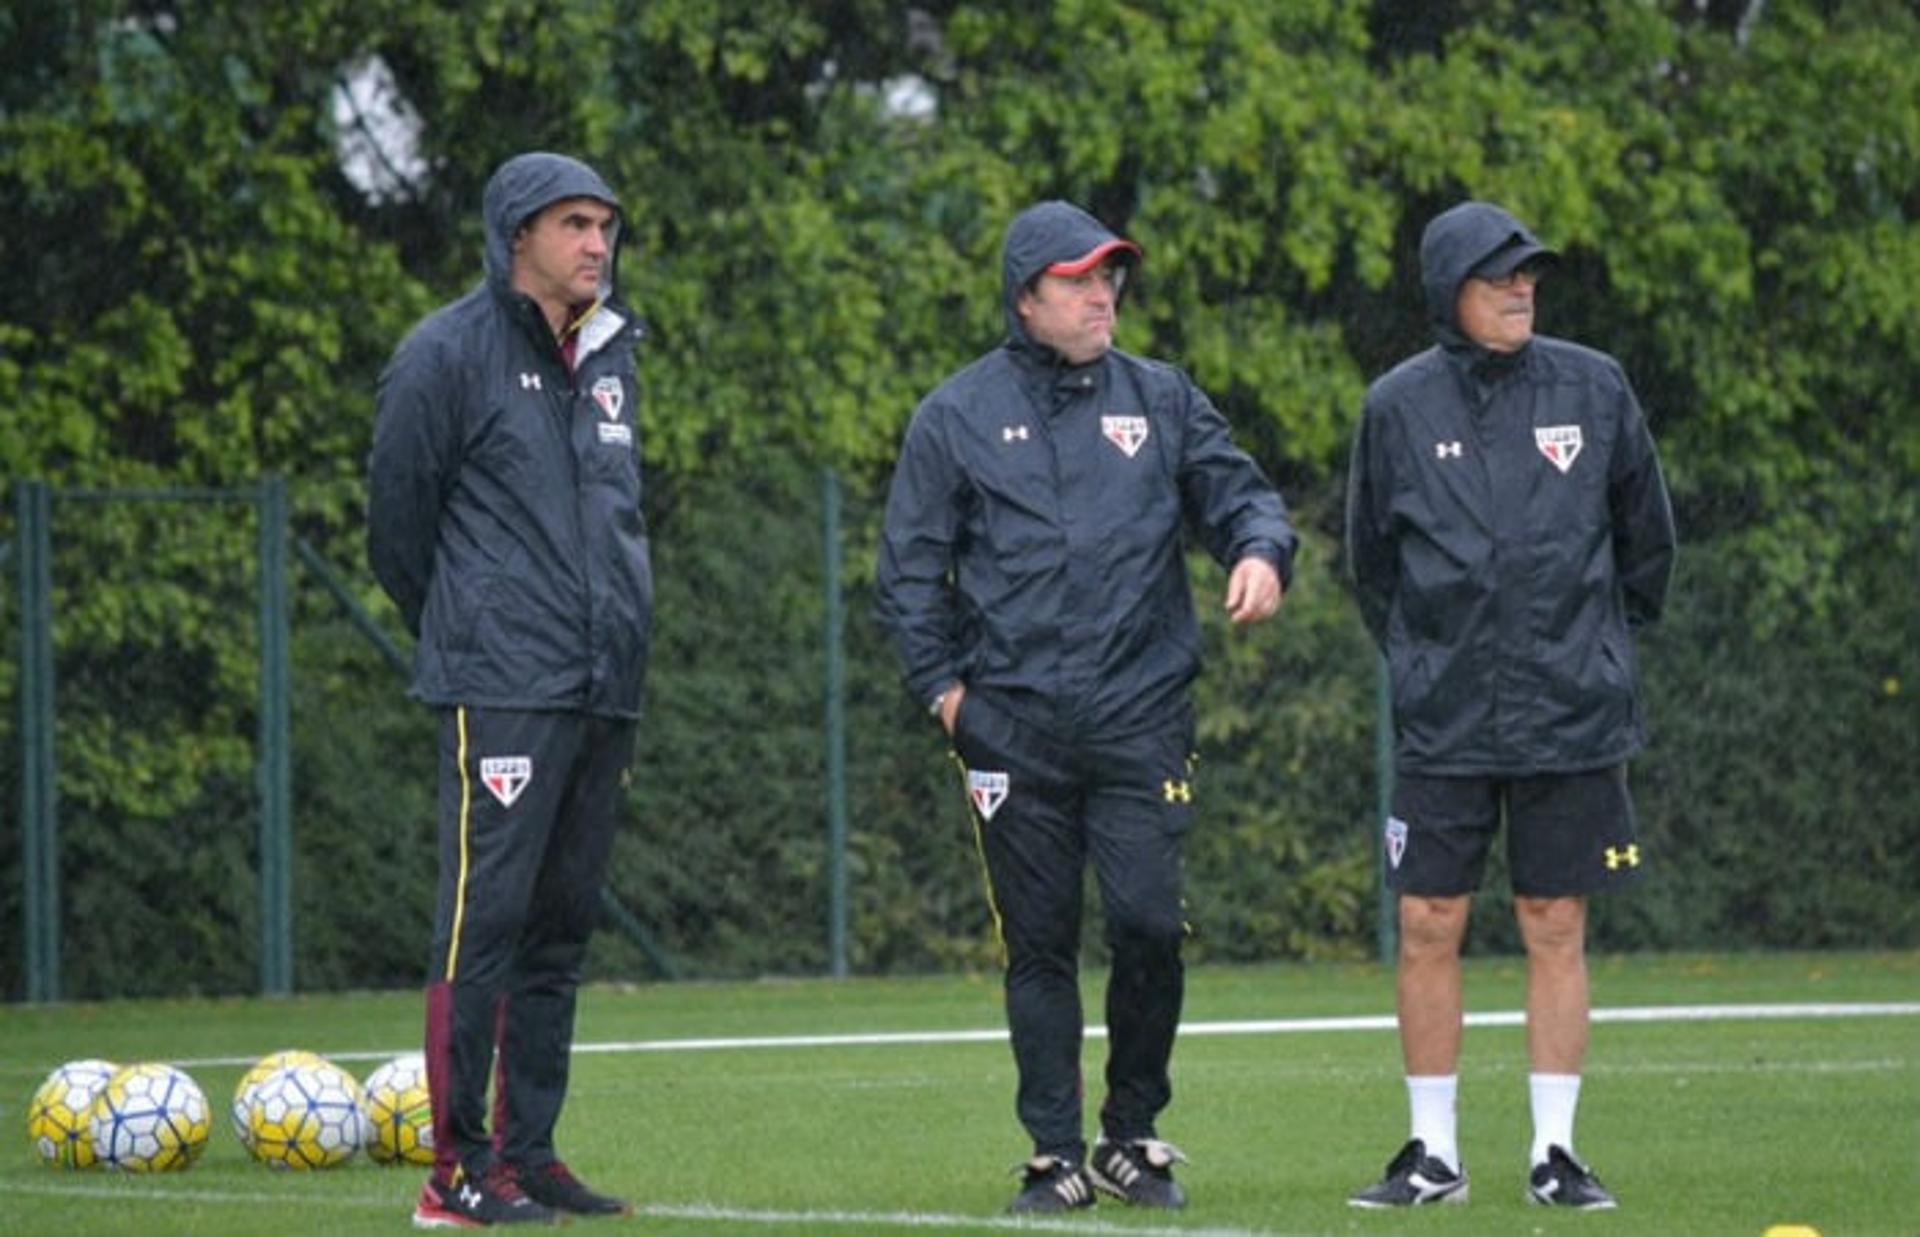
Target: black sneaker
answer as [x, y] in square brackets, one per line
[1565, 1182]
[554, 1185]
[466, 1203]
[1049, 1183]
[1139, 1171]
[1414, 1179]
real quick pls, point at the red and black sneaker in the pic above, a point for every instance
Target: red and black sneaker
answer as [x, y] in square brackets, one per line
[466, 1203]
[554, 1185]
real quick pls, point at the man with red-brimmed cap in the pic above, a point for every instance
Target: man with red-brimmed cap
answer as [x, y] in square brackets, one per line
[1033, 579]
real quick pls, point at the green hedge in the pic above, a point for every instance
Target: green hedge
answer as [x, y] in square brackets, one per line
[1780, 802]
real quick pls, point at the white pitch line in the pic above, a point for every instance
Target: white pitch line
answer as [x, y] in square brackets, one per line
[944, 1221]
[154, 1192]
[708, 1213]
[1271, 1026]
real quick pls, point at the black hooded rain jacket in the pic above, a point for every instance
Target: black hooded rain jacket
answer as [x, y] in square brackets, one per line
[1506, 525]
[1033, 538]
[504, 492]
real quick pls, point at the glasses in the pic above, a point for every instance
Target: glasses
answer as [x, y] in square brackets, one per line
[1528, 274]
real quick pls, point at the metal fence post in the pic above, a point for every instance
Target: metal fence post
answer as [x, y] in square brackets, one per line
[275, 769]
[836, 690]
[39, 827]
[1389, 925]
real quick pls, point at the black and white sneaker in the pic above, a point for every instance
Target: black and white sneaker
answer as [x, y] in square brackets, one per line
[1565, 1182]
[1139, 1171]
[1049, 1183]
[1414, 1179]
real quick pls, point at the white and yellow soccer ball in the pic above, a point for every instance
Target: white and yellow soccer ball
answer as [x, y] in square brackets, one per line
[256, 1074]
[306, 1114]
[149, 1118]
[400, 1112]
[57, 1124]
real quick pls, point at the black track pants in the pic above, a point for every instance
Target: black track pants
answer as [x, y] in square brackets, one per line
[528, 807]
[1042, 809]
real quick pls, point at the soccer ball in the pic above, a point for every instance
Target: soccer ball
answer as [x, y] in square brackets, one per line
[243, 1093]
[306, 1114]
[399, 1112]
[149, 1118]
[57, 1113]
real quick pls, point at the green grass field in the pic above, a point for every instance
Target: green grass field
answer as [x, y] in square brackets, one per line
[1707, 1125]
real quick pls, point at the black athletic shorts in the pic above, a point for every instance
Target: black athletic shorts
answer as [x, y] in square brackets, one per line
[1568, 834]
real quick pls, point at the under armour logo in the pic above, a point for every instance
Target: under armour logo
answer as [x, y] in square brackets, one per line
[529, 382]
[1177, 792]
[1625, 858]
[470, 1197]
[1013, 433]
[1446, 450]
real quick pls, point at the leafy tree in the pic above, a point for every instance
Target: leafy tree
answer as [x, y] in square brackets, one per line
[205, 290]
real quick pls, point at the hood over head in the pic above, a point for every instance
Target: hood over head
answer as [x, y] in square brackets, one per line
[1471, 239]
[1056, 237]
[524, 186]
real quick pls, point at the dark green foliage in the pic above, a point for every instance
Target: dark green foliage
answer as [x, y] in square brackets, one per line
[201, 294]
[1782, 788]
[725, 856]
[1281, 860]
[363, 811]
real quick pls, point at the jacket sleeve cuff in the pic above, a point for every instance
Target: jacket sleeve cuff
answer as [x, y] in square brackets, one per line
[1275, 554]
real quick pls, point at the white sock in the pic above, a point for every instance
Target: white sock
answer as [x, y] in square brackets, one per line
[1554, 1098]
[1431, 1098]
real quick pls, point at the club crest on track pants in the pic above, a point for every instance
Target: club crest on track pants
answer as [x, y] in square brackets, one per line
[1042, 809]
[528, 804]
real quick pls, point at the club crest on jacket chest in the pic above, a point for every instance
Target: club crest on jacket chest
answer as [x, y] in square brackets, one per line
[610, 395]
[1559, 443]
[1126, 433]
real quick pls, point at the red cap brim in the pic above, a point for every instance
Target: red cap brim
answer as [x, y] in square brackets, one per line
[1093, 257]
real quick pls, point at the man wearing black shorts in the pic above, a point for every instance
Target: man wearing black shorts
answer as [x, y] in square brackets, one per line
[1507, 525]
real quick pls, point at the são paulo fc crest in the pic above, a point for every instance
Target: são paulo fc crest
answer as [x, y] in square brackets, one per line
[1396, 840]
[1559, 443]
[611, 396]
[1126, 433]
[506, 776]
[988, 790]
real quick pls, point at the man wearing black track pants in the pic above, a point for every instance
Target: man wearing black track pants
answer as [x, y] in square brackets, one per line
[504, 521]
[1033, 580]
